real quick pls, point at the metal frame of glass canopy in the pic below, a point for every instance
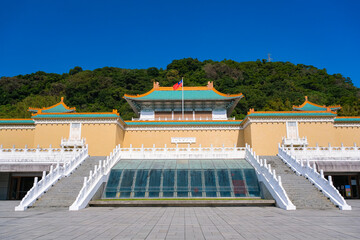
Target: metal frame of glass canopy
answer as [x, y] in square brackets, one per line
[182, 178]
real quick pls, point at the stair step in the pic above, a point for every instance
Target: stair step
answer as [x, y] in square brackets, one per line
[300, 190]
[65, 191]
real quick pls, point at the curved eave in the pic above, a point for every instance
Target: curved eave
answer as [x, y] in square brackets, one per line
[291, 114]
[316, 106]
[50, 109]
[347, 119]
[113, 114]
[223, 95]
[17, 121]
[171, 123]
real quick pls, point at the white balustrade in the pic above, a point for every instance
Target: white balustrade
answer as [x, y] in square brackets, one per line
[101, 171]
[40, 187]
[36, 155]
[77, 143]
[295, 141]
[303, 168]
[180, 119]
[269, 178]
[183, 153]
[329, 153]
[95, 179]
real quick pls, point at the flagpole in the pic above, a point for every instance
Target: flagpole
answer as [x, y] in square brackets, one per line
[182, 97]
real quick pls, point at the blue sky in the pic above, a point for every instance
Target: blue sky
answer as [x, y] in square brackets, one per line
[54, 36]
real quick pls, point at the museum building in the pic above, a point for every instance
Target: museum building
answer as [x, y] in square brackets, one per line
[194, 118]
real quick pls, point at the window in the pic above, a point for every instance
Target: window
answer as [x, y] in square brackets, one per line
[292, 130]
[75, 131]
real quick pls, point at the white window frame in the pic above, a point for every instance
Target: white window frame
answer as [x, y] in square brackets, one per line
[288, 126]
[70, 133]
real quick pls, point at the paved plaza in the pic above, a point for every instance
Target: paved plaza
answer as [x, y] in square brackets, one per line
[179, 223]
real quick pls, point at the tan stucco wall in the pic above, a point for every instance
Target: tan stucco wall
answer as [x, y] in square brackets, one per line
[347, 135]
[321, 133]
[247, 135]
[266, 136]
[119, 138]
[203, 137]
[17, 137]
[101, 138]
[46, 134]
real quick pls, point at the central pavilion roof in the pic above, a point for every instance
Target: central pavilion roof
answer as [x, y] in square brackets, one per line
[194, 96]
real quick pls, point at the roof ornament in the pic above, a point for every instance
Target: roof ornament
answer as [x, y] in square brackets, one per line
[251, 110]
[156, 85]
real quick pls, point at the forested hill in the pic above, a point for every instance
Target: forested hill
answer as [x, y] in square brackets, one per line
[266, 86]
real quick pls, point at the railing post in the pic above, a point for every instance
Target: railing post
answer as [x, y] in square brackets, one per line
[317, 148]
[322, 173]
[330, 180]
[85, 180]
[314, 167]
[43, 175]
[279, 180]
[35, 182]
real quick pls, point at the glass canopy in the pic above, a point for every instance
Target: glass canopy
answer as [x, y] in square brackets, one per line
[182, 179]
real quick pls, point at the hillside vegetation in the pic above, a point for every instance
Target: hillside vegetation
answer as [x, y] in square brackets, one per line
[266, 86]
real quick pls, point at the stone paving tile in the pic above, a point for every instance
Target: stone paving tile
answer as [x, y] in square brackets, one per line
[179, 223]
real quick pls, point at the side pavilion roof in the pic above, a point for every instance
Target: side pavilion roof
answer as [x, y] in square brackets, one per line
[60, 107]
[309, 106]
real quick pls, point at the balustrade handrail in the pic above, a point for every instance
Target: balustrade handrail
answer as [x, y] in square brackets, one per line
[182, 119]
[95, 179]
[35, 155]
[268, 177]
[329, 153]
[318, 179]
[40, 187]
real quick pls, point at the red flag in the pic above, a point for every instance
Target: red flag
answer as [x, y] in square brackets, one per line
[177, 85]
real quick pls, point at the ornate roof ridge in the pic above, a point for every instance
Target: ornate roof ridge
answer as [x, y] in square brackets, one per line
[336, 107]
[328, 110]
[156, 87]
[39, 110]
[76, 113]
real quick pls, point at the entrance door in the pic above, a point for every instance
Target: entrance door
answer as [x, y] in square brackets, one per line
[347, 185]
[19, 186]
